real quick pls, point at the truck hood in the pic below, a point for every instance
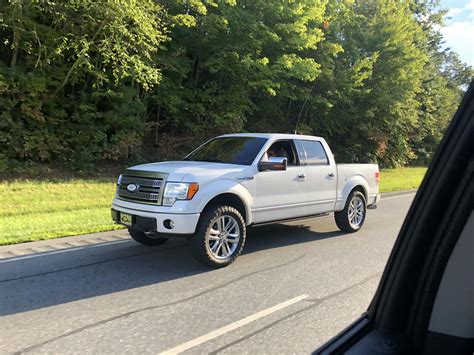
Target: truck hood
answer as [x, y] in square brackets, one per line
[194, 171]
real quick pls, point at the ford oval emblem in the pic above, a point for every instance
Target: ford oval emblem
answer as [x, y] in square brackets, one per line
[132, 187]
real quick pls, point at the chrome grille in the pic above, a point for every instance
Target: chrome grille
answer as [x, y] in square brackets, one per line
[148, 189]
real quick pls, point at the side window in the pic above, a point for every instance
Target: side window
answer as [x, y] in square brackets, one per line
[284, 149]
[315, 153]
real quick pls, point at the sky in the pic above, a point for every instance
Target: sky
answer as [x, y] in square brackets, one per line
[459, 30]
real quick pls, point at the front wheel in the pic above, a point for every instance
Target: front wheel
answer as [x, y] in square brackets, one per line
[220, 236]
[144, 239]
[352, 217]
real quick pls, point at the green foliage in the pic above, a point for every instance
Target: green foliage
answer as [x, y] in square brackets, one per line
[234, 62]
[83, 81]
[72, 75]
[444, 77]
[370, 86]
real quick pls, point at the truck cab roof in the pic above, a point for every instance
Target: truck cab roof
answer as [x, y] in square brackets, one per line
[272, 135]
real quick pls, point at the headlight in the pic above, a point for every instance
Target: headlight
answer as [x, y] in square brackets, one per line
[179, 191]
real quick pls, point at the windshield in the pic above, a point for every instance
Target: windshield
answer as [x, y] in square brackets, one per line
[230, 150]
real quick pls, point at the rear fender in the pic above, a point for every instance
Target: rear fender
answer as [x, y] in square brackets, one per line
[350, 185]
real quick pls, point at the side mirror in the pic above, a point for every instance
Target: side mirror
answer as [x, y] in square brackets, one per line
[273, 163]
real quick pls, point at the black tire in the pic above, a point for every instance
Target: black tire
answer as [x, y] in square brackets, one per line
[342, 218]
[141, 238]
[201, 244]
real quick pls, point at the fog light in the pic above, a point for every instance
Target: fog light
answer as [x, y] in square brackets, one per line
[168, 224]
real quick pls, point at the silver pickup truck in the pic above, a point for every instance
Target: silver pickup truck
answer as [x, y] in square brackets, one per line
[235, 181]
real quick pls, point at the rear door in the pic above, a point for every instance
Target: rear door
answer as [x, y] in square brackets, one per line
[320, 176]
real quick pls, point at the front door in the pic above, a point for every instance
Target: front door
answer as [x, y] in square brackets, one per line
[281, 194]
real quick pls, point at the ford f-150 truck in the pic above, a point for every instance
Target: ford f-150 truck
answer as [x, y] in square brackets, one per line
[235, 181]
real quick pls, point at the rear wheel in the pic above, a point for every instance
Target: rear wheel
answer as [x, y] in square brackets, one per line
[146, 239]
[352, 217]
[220, 236]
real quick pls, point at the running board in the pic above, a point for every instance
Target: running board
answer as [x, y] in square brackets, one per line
[290, 219]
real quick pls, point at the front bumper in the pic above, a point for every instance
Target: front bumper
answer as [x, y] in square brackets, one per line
[183, 224]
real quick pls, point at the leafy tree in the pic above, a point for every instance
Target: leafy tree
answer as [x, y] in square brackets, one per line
[83, 81]
[73, 72]
[235, 65]
[367, 100]
[445, 78]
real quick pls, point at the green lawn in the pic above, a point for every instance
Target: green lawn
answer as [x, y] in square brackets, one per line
[35, 210]
[401, 179]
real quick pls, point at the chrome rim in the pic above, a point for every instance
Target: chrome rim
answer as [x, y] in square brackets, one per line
[356, 212]
[223, 237]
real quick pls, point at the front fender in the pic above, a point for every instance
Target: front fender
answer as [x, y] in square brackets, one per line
[357, 180]
[220, 187]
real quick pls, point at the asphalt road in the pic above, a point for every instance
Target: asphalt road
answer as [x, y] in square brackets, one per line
[295, 286]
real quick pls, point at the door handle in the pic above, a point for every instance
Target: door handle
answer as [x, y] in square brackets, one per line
[301, 176]
[331, 176]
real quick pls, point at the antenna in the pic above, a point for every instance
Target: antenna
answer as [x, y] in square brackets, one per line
[302, 108]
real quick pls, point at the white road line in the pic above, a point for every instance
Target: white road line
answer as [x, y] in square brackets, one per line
[37, 255]
[232, 326]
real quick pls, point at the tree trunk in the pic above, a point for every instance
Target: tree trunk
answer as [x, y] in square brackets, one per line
[197, 72]
[17, 17]
[221, 76]
[288, 111]
[157, 126]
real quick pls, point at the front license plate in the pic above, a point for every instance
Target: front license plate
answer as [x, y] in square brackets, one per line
[126, 219]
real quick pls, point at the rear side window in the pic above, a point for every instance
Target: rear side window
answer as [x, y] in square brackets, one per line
[315, 153]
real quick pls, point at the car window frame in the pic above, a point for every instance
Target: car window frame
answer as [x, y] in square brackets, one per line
[306, 160]
[293, 146]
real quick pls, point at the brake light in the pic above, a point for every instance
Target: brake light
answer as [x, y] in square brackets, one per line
[377, 177]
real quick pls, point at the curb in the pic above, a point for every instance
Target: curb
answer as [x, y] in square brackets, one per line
[50, 245]
[398, 193]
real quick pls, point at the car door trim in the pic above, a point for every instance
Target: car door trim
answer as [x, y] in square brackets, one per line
[302, 204]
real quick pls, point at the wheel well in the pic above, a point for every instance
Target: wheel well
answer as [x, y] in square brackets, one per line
[229, 199]
[361, 189]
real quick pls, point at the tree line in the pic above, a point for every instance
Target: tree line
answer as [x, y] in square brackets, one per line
[87, 81]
